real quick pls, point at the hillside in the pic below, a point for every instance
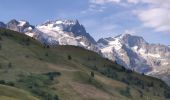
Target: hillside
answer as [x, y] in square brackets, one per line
[131, 51]
[32, 71]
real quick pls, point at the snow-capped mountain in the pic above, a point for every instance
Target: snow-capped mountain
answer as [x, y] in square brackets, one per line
[64, 32]
[57, 32]
[137, 54]
[20, 26]
[131, 51]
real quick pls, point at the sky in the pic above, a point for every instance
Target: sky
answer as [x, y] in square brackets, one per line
[101, 18]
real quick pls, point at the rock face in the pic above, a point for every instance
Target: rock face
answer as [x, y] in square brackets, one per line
[19, 26]
[57, 32]
[64, 32]
[138, 55]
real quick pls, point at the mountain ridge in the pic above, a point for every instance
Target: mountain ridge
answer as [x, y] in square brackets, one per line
[129, 50]
[31, 71]
[137, 54]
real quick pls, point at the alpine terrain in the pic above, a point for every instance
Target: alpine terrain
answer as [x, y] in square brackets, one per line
[30, 70]
[128, 50]
[53, 33]
[138, 55]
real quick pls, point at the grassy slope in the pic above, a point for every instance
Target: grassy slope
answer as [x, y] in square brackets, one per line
[21, 63]
[11, 93]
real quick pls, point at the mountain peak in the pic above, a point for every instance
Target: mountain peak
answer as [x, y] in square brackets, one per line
[59, 25]
[20, 23]
[61, 22]
[124, 39]
[2, 25]
[13, 21]
[124, 35]
[131, 40]
[64, 32]
[20, 26]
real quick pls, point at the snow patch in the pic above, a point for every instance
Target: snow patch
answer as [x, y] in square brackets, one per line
[21, 23]
[30, 34]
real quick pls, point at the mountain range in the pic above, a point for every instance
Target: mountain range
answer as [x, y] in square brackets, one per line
[128, 50]
[31, 71]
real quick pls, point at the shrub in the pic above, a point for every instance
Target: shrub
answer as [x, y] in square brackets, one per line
[46, 54]
[69, 57]
[2, 82]
[92, 74]
[10, 84]
[150, 84]
[56, 97]
[26, 56]
[0, 47]
[0, 65]
[9, 65]
[52, 75]
[7, 83]
[128, 71]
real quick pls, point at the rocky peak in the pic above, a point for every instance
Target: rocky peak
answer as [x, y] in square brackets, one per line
[103, 41]
[19, 26]
[131, 40]
[2, 25]
[123, 39]
[13, 21]
[68, 26]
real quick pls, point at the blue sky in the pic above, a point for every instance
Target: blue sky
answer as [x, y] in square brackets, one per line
[101, 18]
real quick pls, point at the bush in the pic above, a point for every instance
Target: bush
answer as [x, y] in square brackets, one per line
[56, 97]
[52, 75]
[150, 84]
[0, 66]
[69, 57]
[92, 74]
[10, 84]
[7, 83]
[46, 54]
[0, 47]
[0, 38]
[2, 82]
[9, 65]
[26, 56]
